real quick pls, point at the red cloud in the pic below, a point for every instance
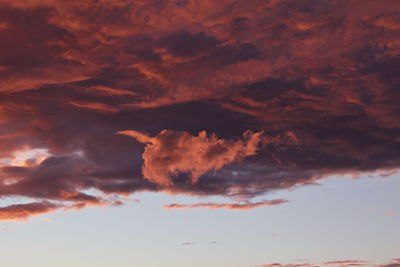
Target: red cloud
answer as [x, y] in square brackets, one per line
[232, 206]
[344, 263]
[94, 106]
[171, 153]
[393, 263]
[22, 212]
[321, 76]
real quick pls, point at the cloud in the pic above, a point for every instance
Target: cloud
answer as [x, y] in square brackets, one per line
[185, 44]
[339, 263]
[22, 212]
[94, 106]
[188, 244]
[239, 99]
[171, 153]
[7, 229]
[287, 265]
[232, 206]
[347, 263]
[393, 263]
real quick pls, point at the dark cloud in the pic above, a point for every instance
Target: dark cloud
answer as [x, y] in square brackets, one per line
[34, 43]
[314, 84]
[393, 263]
[185, 44]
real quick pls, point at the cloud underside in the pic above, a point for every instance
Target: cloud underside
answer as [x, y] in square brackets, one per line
[221, 98]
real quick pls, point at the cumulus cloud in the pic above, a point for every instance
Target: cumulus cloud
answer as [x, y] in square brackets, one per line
[171, 153]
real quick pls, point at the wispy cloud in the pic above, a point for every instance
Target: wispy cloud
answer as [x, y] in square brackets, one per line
[338, 263]
[7, 229]
[230, 206]
[188, 244]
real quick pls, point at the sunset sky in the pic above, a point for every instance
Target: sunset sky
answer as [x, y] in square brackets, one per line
[218, 133]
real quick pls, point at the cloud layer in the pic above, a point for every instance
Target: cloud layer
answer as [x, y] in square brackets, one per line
[237, 98]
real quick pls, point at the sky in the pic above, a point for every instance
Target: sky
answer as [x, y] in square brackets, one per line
[200, 133]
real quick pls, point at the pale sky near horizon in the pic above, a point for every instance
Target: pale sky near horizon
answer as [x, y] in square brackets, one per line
[321, 223]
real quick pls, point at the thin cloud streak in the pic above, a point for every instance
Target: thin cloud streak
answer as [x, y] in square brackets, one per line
[188, 244]
[338, 263]
[7, 229]
[229, 206]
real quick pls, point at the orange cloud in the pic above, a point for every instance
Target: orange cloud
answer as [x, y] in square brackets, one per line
[104, 90]
[232, 206]
[344, 263]
[94, 106]
[7, 229]
[171, 153]
[22, 212]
